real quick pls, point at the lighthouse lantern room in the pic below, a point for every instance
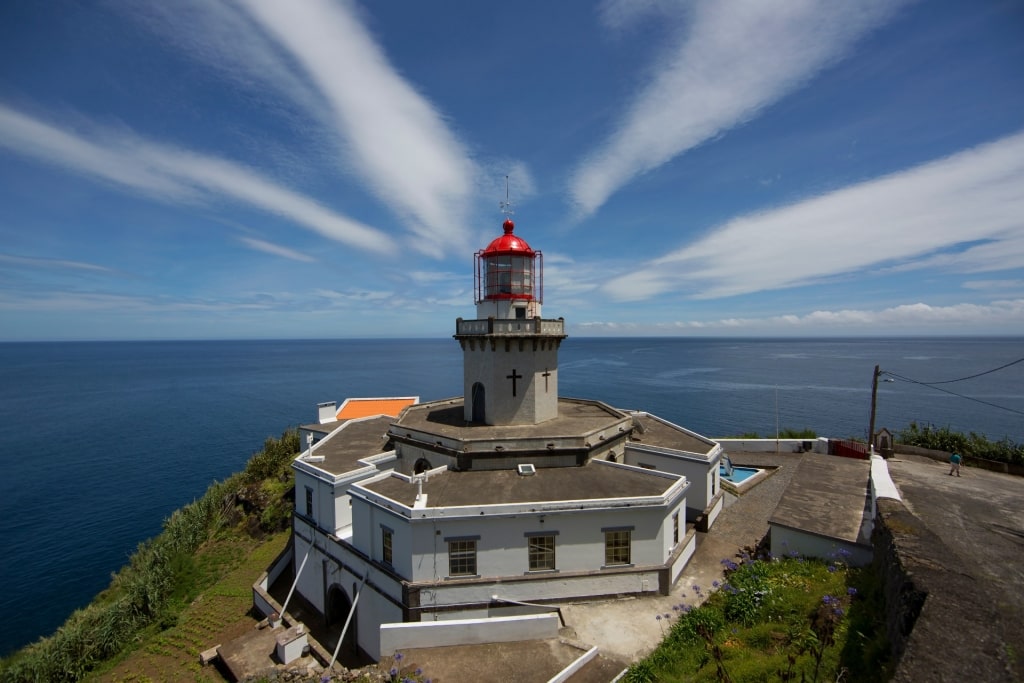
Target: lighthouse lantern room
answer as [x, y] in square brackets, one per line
[507, 274]
[509, 353]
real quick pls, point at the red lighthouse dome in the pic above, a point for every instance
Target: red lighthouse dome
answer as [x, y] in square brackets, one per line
[508, 243]
[507, 269]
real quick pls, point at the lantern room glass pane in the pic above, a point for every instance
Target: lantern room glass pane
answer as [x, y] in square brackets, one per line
[507, 276]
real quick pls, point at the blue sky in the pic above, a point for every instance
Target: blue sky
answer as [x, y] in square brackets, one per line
[267, 169]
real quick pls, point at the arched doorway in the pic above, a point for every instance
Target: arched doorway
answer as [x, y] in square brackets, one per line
[421, 466]
[338, 607]
[479, 414]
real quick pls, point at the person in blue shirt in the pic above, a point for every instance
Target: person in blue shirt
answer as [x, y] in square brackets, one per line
[954, 461]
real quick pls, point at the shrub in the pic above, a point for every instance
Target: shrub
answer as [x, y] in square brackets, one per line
[972, 445]
[804, 433]
[696, 623]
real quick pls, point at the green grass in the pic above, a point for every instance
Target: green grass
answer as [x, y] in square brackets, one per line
[775, 620]
[172, 653]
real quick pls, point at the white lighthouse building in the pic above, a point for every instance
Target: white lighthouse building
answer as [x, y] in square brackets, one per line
[507, 500]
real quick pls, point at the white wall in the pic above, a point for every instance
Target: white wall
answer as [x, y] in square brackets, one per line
[533, 402]
[546, 587]
[819, 445]
[701, 473]
[395, 637]
[715, 510]
[579, 540]
[689, 548]
[373, 608]
[785, 540]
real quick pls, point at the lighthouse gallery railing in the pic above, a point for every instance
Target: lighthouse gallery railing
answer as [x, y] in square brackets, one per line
[510, 327]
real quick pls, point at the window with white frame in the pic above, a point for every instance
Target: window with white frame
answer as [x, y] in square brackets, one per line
[617, 546]
[541, 552]
[386, 543]
[461, 556]
[675, 528]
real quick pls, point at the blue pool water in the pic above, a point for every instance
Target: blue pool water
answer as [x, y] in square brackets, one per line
[739, 474]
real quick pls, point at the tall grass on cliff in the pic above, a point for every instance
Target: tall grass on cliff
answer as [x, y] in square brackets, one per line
[151, 589]
[969, 445]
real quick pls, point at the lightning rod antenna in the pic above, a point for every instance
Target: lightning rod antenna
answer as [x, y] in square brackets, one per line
[506, 206]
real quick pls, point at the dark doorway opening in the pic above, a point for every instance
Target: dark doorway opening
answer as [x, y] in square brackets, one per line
[479, 413]
[338, 607]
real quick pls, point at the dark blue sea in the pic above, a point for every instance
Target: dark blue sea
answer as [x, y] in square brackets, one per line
[101, 441]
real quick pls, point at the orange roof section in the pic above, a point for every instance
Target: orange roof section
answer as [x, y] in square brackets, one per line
[367, 407]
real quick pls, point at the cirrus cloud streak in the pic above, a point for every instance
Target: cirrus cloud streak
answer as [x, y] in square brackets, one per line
[962, 213]
[175, 175]
[734, 58]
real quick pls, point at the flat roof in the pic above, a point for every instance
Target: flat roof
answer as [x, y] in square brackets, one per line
[592, 481]
[827, 497]
[368, 407]
[355, 440]
[656, 432]
[447, 418]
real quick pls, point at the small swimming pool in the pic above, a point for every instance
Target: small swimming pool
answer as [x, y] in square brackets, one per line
[739, 474]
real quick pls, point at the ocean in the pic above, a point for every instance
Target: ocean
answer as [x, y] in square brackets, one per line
[101, 441]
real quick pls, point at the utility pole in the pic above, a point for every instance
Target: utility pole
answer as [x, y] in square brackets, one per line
[874, 396]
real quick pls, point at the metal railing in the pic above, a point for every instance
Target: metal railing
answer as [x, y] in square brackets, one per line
[509, 327]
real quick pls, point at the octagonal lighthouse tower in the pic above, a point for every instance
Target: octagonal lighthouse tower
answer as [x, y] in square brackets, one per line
[509, 353]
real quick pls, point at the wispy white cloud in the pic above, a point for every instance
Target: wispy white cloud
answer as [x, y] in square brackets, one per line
[1003, 316]
[396, 140]
[60, 302]
[962, 213]
[993, 284]
[50, 264]
[222, 36]
[276, 250]
[110, 159]
[733, 59]
[175, 175]
[353, 296]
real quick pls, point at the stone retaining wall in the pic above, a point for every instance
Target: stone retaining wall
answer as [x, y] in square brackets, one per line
[940, 621]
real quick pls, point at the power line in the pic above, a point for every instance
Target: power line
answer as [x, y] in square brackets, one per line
[987, 372]
[931, 385]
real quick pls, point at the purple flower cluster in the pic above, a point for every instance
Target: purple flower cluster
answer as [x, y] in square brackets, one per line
[834, 603]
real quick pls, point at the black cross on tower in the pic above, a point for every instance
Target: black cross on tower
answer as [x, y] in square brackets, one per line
[513, 377]
[545, 375]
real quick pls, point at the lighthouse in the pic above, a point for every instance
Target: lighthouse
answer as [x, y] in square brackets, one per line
[510, 353]
[469, 507]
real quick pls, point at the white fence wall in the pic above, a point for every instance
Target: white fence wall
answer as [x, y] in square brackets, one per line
[819, 445]
[395, 637]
